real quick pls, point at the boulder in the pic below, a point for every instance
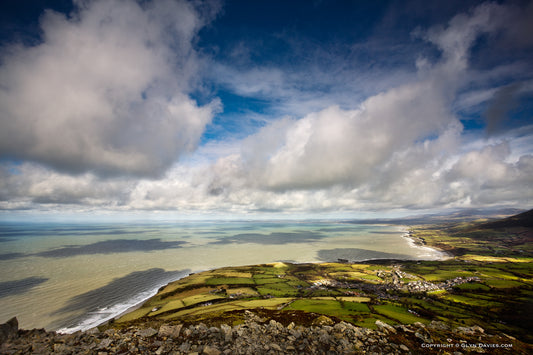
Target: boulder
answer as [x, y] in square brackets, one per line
[438, 325]
[227, 332]
[322, 320]
[384, 327]
[9, 329]
[209, 350]
[170, 331]
[147, 333]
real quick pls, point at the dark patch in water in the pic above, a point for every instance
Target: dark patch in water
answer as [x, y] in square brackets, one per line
[355, 254]
[40, 230]
[272, 238]
[338, 229]
[118, 291]
[10, 256]
[385, 232]
[110, 247]
[17, 287]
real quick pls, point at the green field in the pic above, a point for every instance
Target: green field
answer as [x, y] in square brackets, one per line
[499, 299]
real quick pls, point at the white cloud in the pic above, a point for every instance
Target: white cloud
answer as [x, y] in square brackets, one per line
[336, 146]
[106, 90]
[402, 148]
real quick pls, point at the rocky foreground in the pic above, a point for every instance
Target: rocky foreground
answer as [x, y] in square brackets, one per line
[261, 336]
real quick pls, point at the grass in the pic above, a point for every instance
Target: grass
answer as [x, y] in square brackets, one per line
[268, 280]
[278, 290]
[272, 303]
[242, 291]
[478, 302]
[499, 302]
[398, 313]
[229, 281]
[323, 306]
[202, 298]
[476, 286]
[354, 299]
[170, 306]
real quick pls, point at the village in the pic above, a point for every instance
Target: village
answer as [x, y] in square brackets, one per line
[392, 281]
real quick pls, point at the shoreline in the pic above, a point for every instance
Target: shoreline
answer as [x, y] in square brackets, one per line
[406, 234]
[419, 243]
[90, 322]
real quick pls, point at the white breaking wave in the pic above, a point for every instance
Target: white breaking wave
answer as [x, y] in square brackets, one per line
[106, 313]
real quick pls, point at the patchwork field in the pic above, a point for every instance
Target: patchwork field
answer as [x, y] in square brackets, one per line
[493, 290]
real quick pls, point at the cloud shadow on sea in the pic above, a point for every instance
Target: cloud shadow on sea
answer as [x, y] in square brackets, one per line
[10, 256]
[38, 230]
[274, 238]
[111, 246]
[18, 287]
[386, 232]
[338, 229]
[118, 291]
[355, 254]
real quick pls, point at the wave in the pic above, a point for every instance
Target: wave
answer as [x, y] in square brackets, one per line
[107, 313]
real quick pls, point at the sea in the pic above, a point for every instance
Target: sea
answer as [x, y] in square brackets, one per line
[74, 276]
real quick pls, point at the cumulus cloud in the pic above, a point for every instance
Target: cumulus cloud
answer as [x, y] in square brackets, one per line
[403, 148]
[399, 148]
[106, 90]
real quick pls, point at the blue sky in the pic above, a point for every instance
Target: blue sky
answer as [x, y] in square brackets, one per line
[265, 108]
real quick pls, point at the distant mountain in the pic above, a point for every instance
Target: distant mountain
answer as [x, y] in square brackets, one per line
[524, 219]
[460, 215]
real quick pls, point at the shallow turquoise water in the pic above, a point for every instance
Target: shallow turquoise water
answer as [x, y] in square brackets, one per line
[74, 276]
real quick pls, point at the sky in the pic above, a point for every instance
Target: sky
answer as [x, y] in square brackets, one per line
[264, 109]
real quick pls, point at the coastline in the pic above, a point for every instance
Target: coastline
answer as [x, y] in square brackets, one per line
[404, 231]
[419, 243]
[113, 312]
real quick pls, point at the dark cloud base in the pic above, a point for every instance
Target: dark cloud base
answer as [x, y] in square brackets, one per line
[355, 254]
[18, 287]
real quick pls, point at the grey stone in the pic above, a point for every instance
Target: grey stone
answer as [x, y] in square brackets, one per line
[404, 348]
[275, 347]
[384, 327]
[60, 348]
[209, 350]
[425, 338]
[9, 329]
[94, 330]
[147, 333]
[322, 320]
[171, 331]
[227, 332]
[105, 343]
[438, 325]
